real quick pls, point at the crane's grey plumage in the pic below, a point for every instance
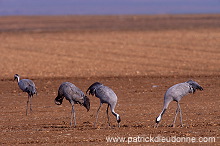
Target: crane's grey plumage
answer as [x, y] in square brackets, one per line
[74, 95]
[175, 93]
[106, 95]
[28, 86]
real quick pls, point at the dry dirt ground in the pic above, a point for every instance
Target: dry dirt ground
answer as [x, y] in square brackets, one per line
[139, 57]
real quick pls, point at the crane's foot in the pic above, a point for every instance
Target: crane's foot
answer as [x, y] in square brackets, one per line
[109, 126]
[95, 126]
[172, 125]
[156, 125]
[71, 125]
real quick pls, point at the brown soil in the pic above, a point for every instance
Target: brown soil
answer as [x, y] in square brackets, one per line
[139, 57]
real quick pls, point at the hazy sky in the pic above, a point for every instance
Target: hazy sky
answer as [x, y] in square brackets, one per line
[81, 7]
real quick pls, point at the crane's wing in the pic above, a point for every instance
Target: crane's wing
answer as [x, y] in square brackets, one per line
[28, 86]
[73, 93]
[76, 91]
[79, 97]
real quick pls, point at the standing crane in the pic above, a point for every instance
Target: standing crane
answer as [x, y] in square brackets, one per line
[175, 93]
[28, 86]
[106, 95]
[74, 95]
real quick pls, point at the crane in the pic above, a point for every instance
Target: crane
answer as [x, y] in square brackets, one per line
[106, 95]
[26, 85]
[175, 93]
[74, 95]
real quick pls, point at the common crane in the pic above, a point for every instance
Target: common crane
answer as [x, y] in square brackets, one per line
[74, 95]
[175, 93]
[106, 95]
[28, 86]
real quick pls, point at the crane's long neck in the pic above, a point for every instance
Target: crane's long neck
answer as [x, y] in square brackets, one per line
[116, 115]
[160, 116]
[166, 103]
[18, 78]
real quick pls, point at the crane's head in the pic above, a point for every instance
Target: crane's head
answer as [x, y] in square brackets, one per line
[16, 76]
[58, 100]
[118, 119]
[86, 103]
[194, 85]
[158, 119]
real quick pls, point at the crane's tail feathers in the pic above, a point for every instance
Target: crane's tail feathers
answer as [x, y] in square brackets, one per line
[93, 87]
[86, 103]
[58, 100]
[31, 90]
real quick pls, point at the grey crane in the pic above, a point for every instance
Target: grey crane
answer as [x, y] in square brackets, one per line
[74, 95]
[175, 93]
[106, 95]
[28, 86]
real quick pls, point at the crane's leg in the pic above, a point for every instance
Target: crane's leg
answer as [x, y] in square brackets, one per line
[177, 110]
[27, 104]
[181, 120]
[31, 103]
[73, 115]
[108, 115]
[97, 114]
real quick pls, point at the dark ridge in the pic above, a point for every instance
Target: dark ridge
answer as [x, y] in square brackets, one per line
[107, 23]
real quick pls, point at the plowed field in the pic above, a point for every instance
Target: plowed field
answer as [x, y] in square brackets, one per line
[139, 57]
